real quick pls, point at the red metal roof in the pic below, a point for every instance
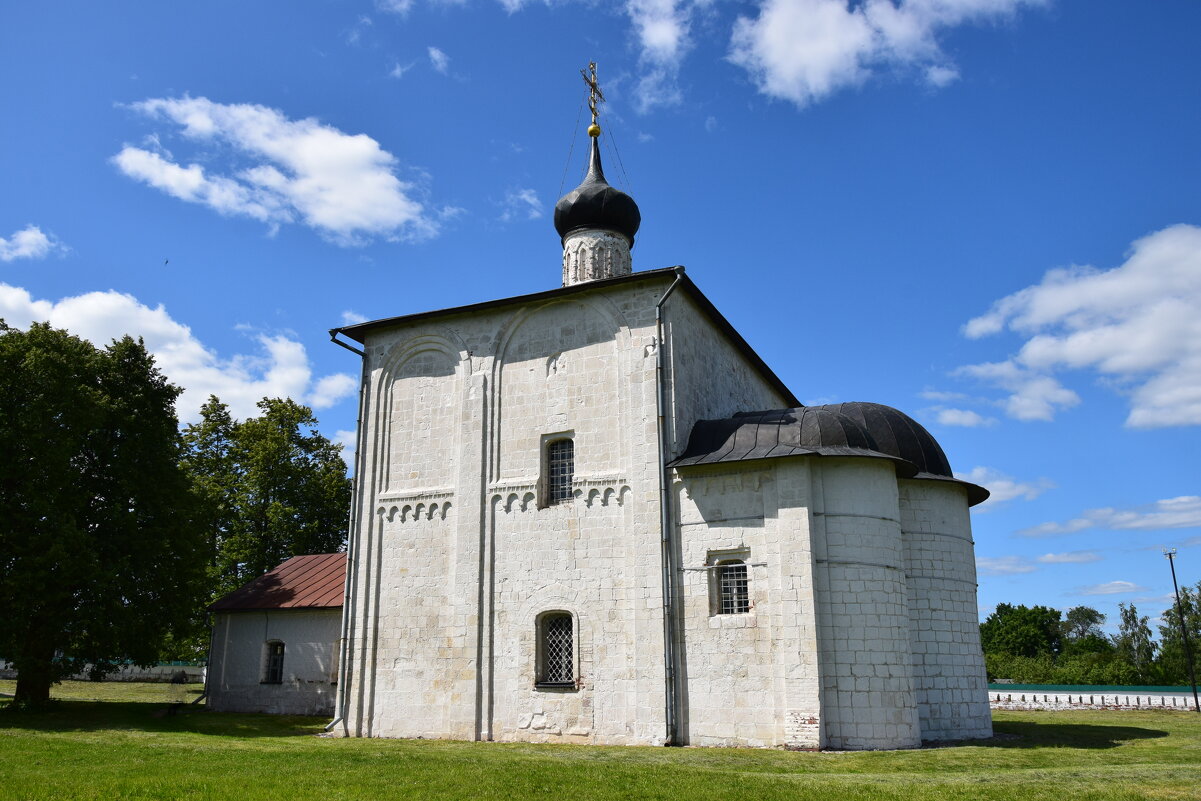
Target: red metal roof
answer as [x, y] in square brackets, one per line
[302, 582]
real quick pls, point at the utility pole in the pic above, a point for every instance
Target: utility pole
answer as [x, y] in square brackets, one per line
[1188, 649]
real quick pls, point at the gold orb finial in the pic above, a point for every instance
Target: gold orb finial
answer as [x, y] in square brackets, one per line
[594, 130]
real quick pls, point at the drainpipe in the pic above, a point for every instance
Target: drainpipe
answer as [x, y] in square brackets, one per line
[341, 697]
[669, 591]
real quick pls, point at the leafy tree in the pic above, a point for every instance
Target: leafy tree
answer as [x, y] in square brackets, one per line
[1172, 664]
[1133, 642]
[1022, 631]
[1082, 622]
[273, 488]
[1082, 633]
[99, 553]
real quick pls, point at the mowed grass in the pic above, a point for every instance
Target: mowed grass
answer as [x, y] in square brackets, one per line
[134, 750]
[149, 691]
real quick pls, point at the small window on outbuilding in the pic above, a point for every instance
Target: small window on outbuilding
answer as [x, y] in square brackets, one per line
[560, 470]
[556, 651]
[273, 667]
[732, 586]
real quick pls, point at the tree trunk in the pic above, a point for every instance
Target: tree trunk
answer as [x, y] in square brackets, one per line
[35, 674]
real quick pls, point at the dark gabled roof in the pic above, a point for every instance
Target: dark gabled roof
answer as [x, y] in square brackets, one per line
[358, 332]
[302, 582]
[843, 429]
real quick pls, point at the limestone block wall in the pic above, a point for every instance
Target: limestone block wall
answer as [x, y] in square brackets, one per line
[748, 679]
[238, 661]
[868, 698]
[949, 675]
[456, 551]
[708, 376]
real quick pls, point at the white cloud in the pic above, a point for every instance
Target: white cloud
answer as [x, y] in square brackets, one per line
[805, 50]
[940, 76]
[1033, 396]
[1135, 325]
[965, 418]
[1110, 588]
[521, 204]
[279, 367]
[438, 60]
[28, 243]
[342, 185]
[398, 70]
[1004, 488]
[1169, 513]
[330, 389]
[662, 28]
[348, 442]
[1003, 565]
[394, 6]
[1070, 558]
[946, 397]
[352, 318]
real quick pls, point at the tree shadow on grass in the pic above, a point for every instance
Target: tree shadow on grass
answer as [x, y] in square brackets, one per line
[82, 716]
[1028, 734]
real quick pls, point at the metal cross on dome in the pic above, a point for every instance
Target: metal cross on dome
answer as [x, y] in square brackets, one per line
[594, 93]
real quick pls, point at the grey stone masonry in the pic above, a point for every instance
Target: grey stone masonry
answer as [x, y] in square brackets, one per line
[855, 623]
[591, 255]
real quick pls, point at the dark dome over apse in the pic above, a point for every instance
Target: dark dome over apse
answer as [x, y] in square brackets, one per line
[898, 434]
[594, 205]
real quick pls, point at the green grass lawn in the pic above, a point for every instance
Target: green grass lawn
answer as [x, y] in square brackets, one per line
[154, 692]
[123, 749]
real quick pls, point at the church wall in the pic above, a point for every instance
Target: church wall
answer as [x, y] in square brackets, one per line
[456, 556]
[238, 661]
[749, 679]
[867, 669]
[709, 376]
[581, 368]
[413, 632]
[458, 552]
[949, 672]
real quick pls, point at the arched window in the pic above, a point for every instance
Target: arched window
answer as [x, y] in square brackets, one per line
[560, 470]
[733, 591]
[273, 664]
[556, 651]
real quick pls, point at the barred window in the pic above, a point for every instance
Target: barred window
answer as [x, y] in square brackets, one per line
[734, 596]
[273, 669]
[560, 464]
[556, 662]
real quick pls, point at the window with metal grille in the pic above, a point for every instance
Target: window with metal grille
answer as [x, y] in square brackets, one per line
[556, 660]
[732, 587]
[560, 464]
[273, 671]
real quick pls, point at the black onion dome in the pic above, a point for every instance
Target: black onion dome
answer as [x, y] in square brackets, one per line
[804, 431]
[898, 434]
[594, 205]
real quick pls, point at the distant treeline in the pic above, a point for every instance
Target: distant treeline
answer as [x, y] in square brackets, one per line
[1038, 645]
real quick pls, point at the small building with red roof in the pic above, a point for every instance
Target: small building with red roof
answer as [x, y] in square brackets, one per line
[275, 640]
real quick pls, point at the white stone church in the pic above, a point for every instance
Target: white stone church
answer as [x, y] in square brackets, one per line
[594, 515]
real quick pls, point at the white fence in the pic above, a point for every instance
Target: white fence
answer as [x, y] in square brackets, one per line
[1025, 699]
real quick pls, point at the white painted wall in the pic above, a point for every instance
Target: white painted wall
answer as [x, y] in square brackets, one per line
[944, 626]
[455, 556]
[236, 671]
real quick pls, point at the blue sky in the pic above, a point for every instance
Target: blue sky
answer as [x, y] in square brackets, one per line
[982, 212]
